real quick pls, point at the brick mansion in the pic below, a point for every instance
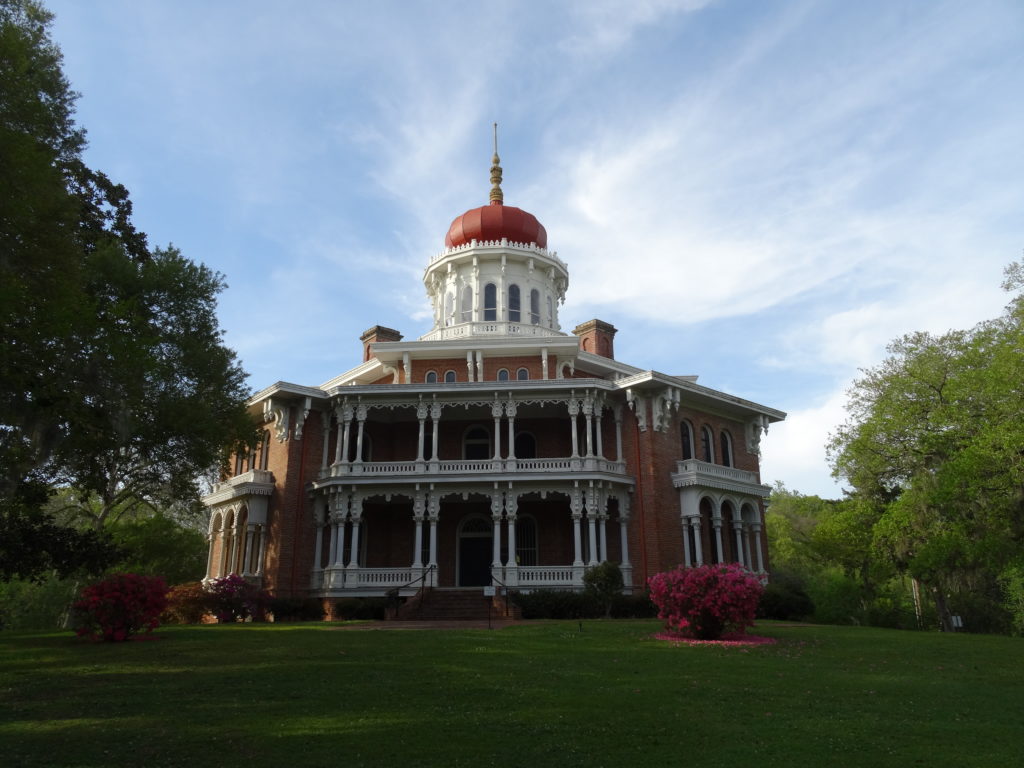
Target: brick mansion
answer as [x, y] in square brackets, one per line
[495, 449]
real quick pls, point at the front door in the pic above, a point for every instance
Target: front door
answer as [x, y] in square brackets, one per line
[474, 561]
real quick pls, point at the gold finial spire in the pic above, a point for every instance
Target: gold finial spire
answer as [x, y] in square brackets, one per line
[496, 193]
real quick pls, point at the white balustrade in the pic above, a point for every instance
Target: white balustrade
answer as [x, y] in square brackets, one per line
[545, 576]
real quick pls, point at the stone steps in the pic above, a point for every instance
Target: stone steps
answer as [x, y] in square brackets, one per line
[453, 605]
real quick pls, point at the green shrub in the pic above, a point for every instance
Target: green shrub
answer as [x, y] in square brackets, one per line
[296, 608]
[638, 606]
[557, 604]
[785, 600]
[40, 604]
[362, 608]
[187, 604]
[604, 583]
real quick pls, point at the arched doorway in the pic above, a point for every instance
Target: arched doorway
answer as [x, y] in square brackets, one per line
[474, 552]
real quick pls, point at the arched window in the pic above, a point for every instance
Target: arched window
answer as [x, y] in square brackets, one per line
[726, 441]
[525, 446]
[534, 307]
[522, 375]
[707, 445]
[526, 540]
[503, 374]
[476, 444]
[467, 304]
[431, 377]
[490, 302]
[551, 313]
[449, 377]
[449, 308]
[686, 438]
[514, 307]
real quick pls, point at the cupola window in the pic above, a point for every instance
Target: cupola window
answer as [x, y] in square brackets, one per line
[514, 307]
[490, 302]
[534, 307]
[467, 304]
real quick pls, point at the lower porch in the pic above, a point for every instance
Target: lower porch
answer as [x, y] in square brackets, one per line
[520, 540]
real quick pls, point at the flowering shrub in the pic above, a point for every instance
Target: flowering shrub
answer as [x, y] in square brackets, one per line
[232, 598]
[120, 606]
[706, 601]
[187, 604]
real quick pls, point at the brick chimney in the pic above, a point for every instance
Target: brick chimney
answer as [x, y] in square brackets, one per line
[598, 337]
[378, 333]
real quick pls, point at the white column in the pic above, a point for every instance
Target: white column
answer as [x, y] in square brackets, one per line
[592, 527]
[325, 420]
[480, 364]
[355, 513]
[433, 512]
[737, 527]
[510, 411]
[212, 538]
[469, 366]
[574, 410]
[496, 414]
[697, 543]
[496, 507]
[716, 522]
[260, 547]
[624, 532]
[361, 421]
[597, 428]
[757, 548]
[421, 417]
[435, 416]
[318, 547]
[588, 415]
[344, 434]
[340, 516]
[419, 506]
[511, 506]
[618, 432]
[576, 505]
[544, 363]
[684, 520]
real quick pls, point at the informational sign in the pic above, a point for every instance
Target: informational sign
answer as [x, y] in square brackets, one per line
[488, 591]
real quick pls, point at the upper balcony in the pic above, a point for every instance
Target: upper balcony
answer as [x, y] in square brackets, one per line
[512, 468]
[692, 472]
[489, 328]
[255, 482]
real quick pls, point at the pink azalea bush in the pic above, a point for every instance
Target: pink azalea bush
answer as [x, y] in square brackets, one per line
[232, 598]
[120, 606]
[707, 601]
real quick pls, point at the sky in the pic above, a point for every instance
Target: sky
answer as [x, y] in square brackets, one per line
[758, 192]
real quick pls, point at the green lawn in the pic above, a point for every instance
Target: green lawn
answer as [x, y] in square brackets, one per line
[533, 695]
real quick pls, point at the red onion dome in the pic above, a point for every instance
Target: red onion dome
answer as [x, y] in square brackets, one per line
[494, 222]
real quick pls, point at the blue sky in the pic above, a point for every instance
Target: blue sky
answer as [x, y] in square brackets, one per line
[761, 193]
